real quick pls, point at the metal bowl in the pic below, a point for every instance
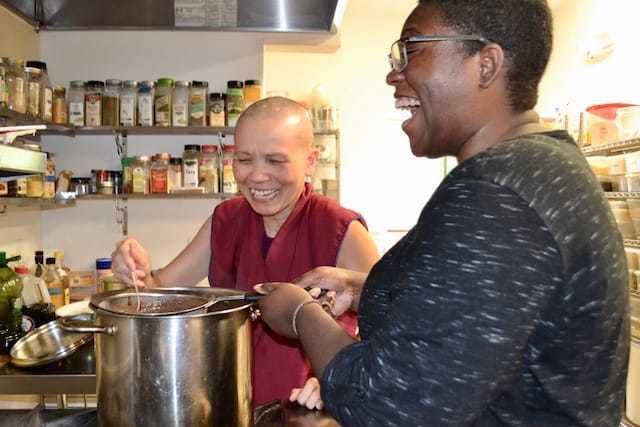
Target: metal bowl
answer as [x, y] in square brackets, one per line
[47, 344]
[152, 304]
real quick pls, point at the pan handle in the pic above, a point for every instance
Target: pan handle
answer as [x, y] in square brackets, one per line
[253, 296]
[86, 327]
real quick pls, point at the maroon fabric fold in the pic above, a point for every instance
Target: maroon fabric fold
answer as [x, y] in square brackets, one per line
[310, 237]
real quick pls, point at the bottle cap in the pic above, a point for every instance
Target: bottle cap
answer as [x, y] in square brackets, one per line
[103, 263]
[191, 147]
[50, 261]
[21, 269]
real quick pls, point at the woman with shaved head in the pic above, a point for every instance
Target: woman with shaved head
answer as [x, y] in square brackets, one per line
[276, 231]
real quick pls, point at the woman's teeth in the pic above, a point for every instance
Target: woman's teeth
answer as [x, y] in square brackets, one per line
[264, 194]
[411, 104]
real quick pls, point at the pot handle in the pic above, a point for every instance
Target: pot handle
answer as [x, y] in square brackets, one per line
[86, 327]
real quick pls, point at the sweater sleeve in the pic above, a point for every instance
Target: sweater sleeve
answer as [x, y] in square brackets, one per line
[448, 330]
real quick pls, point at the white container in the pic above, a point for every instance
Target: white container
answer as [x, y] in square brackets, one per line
[628, 122]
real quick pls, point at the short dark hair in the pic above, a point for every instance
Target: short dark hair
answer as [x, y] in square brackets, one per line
[523, 28]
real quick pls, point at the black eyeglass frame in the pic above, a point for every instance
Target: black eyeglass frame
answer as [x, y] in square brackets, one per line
[422, 38]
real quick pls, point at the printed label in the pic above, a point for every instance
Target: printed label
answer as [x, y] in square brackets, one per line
[190, 173]
[127, 110]
[180, 114]
[76, 113]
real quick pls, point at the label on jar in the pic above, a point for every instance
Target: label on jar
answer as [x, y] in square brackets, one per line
[145, 110]
[190, 173]
[229, 185]
[158, 181]
[76, 113]
[4, 190]
[180, 114]
[196, 108]
[93, 107]
[127, 110]
[47, 114]
[34, 99]
[208, 175]
[3, 91]
[216, 114]
[139, 177]
[163, 110]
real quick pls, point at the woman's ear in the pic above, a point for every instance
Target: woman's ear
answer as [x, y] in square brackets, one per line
[491, 64]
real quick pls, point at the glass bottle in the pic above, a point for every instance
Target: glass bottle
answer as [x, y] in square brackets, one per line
[17, 87]
[217, 110]
[146, 93]
[174, 174]
[190, 161]
[94, 90]
[252, 92]
[208, 169]
[229, 185]
[54, 283]
[162, 102]
[45, 100]
[198, 103]
[181, 103]
[235, 101]
[63, 272]
[59, 113]
[33, 77]
[111, 103]
[49, 178]
[128, 102]
[140, 175]
[159, 173]
[127, 174]
[76, 103]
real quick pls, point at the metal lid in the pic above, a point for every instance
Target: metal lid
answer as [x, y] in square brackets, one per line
[235, 84]
[130, 84]
[182, 83]
[47, 344]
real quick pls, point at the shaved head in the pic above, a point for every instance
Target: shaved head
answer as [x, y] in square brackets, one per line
[278, 113]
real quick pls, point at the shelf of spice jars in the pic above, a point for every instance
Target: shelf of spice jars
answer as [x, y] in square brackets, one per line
[614, 148]
[632, 243]
[10, 116]
[31, 202]
[158, 196]
[622, 195]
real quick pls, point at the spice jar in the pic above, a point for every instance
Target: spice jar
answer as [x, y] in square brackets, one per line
[4, 87]
[33, 76]
[208, 169]
[190, 161]
[159, 173]
[111, 103]
[17, 87]
[104, 181]
[140, 175]
[217, 110]
[235, 101]
[127, 174]
[49, 178]
[146, 93]
[128, 96]
[180, 108]
[76, 103]
[59, 106]
[198, 103]
[45, 100]
[93, 91]
[174, 174]
[162, 102]
[229, 185]
[252, 92]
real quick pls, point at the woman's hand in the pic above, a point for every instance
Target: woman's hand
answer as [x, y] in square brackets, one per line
[308, 395]
[129, 258]
[279, 304]
[345, 287]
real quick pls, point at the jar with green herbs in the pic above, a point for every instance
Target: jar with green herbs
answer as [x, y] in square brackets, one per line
[163, 101]
[235, 101]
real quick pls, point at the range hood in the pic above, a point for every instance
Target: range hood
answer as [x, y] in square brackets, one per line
[18, 161]
[321, 16]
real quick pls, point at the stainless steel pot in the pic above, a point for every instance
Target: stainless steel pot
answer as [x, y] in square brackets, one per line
[183, 370]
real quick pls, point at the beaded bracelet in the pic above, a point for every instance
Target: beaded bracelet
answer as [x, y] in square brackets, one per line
[297, 311]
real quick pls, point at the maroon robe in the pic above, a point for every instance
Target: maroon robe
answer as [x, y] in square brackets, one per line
[310, 237]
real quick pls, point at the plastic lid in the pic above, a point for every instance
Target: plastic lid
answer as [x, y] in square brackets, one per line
[209, 148]
[182, 83]
[607, 111]
[197, 83]
[50, 260]
[95, 83]
[103, 264]
[114, 82]
[130, 83]
[217, 95]
[252, 82]
[175, 161]
[229, 148]
[235, 84]
[165, 81]
[21, 269]
[37, 64]
[147, 83]
[191, 147]
[77, 84]
[127, 161]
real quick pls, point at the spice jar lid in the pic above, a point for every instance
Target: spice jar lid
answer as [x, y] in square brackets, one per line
[162, 156]
[199, 84]
[32, 70]
[77, 84]
[165, 81]
[127, 161]
[103, 263]
[191, 147]
[182, 83]
[214, 96]
[175, 161]
[142, 158]
[209, 148]
[60, 90]
[148, 83]
[252, 82]
[114, 82]
[37, 64]
[235, 84]
[95, 83]
[130, 83]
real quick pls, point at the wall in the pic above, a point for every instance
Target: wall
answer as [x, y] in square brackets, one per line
[164, 226]
[17, 39]
[569, 79]
[379, 175]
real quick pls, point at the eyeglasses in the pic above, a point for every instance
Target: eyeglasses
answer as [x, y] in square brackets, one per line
[399, 59]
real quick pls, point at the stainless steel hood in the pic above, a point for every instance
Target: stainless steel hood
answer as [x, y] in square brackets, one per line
[17, 161]
[208, 15]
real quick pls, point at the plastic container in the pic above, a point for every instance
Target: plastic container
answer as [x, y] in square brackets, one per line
[111, 103]
[34, 85]
[162, 102]
[617, 165]
[235, 101]
[60, 115]
[174, 174]
[181, 104]
[103, 269]
[93, 92]
[190, 164]
[601, 123]
[159, 173]
[76, 103]
[140, 175]
[146, 94]
[229, 184]
[198, 103]
[217, 113]
[128, 100]
[208, 169]
[252, 92]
